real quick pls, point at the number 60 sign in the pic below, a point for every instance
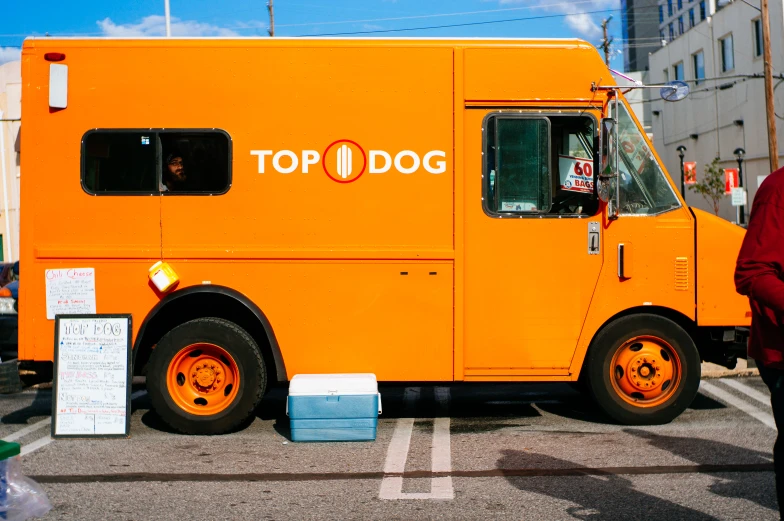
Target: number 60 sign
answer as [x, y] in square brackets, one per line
[576, 174]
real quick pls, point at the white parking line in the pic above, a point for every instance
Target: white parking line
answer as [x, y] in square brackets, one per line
[747, 390]
[441, 488]
[21, 433]
[397, 453]
[46, 440]
[723, 395]
[35, 445]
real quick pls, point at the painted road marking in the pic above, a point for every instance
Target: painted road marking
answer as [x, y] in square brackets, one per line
[37, 444]
[723, 395]
[441, 454]
[747, 390]
[21, 433]
[45, 440]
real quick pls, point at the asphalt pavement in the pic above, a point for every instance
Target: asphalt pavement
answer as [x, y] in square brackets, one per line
[452, 451]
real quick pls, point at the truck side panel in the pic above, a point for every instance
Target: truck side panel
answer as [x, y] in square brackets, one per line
[348, 275]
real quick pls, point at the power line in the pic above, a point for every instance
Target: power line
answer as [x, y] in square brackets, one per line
[441, 15]
[559, 15]
[378, 31]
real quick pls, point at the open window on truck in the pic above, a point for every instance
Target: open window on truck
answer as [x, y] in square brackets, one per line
[539, 165]
[144, 162]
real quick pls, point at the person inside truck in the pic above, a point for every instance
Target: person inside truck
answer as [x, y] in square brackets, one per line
[173, 177]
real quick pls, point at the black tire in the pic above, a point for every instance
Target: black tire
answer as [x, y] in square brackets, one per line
[247, 356]
[612, 338]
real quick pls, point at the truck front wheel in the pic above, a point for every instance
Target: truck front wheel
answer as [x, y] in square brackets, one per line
[643, 370]
[206, 376]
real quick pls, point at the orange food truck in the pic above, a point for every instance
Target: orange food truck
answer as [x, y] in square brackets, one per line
[421, 209]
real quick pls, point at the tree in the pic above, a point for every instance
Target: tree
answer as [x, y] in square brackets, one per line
[711, 187]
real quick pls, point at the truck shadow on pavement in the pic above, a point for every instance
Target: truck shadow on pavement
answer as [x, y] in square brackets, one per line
[612, 496]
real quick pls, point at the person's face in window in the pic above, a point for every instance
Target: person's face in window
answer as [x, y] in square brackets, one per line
[176, 171]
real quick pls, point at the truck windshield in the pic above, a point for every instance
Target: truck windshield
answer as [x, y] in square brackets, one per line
[644, 187]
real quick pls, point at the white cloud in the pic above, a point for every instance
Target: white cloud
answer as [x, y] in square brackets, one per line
[584, 24]
[10, 54]
[155, 25]
[251, 24]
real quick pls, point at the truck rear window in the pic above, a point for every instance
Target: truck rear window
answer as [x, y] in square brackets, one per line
[138, 162]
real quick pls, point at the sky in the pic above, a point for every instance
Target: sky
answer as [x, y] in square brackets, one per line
[358, 18]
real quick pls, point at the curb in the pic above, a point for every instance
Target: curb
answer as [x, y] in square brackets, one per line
[710, 370]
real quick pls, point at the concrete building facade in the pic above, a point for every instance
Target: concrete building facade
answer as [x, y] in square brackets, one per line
[719, 57]
[10, 128]
[678, 16]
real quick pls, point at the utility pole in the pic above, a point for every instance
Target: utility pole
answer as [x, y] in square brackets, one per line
[773, 145]
[271, 29]
[606, 42]
[167, 16]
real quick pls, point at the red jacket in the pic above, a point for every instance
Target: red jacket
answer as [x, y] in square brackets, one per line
[759, 272]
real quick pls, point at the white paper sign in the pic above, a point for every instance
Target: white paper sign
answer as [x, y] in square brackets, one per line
[91, 382]
[739, 197]
[576, 174]
[70, 292]
[517, 206]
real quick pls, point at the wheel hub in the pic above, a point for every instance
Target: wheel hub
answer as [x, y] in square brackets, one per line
[645, 372]
[206, 375]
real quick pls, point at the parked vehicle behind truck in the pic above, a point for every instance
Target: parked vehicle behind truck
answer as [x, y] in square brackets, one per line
[425, 210]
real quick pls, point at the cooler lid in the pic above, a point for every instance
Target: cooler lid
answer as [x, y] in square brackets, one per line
[325, 384]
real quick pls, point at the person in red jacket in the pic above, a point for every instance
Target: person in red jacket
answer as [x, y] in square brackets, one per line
[758, 275]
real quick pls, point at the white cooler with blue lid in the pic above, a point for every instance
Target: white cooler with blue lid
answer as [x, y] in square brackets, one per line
[333, 407]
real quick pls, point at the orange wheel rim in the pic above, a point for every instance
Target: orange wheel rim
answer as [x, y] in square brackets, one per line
[645, 371]
[203, 379]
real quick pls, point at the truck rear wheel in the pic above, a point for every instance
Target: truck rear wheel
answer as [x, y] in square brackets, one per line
[643, 370]
[206, 376]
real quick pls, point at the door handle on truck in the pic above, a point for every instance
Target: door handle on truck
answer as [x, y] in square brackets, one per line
[594, 239]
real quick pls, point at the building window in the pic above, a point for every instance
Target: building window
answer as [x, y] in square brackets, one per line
[677, 71]
[702, 10]
[680, 25]
[124, 161]
[666, 76]
[669, 7]
[691, 18]
[680, 5]
[757, 32]
[698, 60]
[661, 36]
[727, 54]
[661, 14]
[672, 32]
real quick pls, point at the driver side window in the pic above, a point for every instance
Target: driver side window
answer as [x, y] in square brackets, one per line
[539, 165]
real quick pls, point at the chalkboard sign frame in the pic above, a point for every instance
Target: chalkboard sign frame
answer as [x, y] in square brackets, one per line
[128, 380]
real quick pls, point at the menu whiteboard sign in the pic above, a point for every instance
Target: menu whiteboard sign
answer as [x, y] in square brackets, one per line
[92, 376]
[70, 290]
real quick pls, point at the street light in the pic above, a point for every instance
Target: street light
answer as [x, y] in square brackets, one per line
[681, 149]
[739, 153]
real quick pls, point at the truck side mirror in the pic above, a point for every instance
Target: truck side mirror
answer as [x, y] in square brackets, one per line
[608, 174]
